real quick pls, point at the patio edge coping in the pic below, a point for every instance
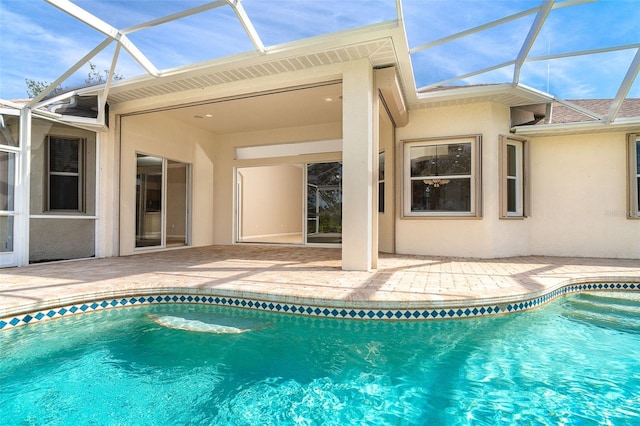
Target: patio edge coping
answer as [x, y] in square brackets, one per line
[315, 307]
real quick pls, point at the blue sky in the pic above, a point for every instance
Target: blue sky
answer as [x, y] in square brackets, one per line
[40, 42]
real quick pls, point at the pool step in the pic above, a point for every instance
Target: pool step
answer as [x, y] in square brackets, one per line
[607, 310]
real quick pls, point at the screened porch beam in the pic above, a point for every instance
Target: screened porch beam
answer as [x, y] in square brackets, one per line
[241, 14]
[623, 91]
[175, 16]
[462, 77]
[538, 22]
[86, 58]
[99, 25]
[495, 23]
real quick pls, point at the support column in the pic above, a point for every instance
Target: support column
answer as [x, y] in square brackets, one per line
[23, 193]
[358, 151]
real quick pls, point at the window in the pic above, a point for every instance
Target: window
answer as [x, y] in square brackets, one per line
[512, 177]
[634, 176]
[381, 182]
[442, 177]
[7, 200]
[65, 172]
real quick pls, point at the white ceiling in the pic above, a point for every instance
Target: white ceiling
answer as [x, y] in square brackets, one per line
[292, 108]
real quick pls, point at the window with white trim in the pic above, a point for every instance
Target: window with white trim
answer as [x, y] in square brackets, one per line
[442, 177]
[634, 176]
[65, 174]
[512, 177]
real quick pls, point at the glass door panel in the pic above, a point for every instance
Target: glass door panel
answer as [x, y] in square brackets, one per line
[148, 201]
[177, 175]
[324, 203]
[162, 197]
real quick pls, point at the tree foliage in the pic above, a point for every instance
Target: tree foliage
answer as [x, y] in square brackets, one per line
[35, 87]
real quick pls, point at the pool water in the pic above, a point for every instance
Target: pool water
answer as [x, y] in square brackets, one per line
[573, 361]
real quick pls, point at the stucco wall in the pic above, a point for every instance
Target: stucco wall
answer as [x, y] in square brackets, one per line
[486, 236]
[386, 220]
[271, 200]
[60, 238]
[148, 134]
[577, 191]
[577, 185]
[223, 150]
[578, 194]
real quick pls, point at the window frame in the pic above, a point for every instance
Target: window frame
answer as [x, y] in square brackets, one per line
[520, 177]
[82, 144]
[475, 177]
[633, 175]
[381, 181]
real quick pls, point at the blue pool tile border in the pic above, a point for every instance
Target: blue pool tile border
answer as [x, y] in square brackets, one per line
[454, 312]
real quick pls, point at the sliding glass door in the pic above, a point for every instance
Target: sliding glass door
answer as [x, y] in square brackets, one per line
[162, 199]
[271, 206]
[324, 203]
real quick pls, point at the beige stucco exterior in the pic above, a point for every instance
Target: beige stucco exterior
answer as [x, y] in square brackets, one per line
[565, 174]
[576, 184]
[579, 193]
[270, 202]
[57, 235]
[577, 190]
[223, 150]
[147, 134]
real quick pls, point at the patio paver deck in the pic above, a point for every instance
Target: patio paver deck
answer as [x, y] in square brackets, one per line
[303, 275]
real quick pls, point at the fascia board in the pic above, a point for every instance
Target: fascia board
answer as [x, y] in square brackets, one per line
[574, 128]
[448, 95]
[318, 44]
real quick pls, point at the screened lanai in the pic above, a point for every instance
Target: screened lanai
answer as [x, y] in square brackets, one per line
[88, 56]
[572, 49]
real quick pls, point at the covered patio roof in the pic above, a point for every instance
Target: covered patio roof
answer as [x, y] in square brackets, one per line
[473, 56]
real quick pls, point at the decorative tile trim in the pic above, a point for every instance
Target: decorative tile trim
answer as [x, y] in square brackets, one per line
[453, 312]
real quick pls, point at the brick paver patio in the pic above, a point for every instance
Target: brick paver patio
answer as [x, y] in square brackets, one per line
[303, 275]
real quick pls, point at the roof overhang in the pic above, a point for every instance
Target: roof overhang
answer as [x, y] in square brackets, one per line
[377, 43]
[507, 94]
[620, 125]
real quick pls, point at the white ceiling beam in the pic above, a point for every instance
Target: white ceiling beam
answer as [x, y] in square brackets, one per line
[86, 17]
[545, 8]
[583, 52]
[175, 16]
[629, 78]
[102, 100]
[580, 109]
[99, 25]
[495, 23]
[462, 77]
[532, 59]
[62, 97]
[138, 56]
[69, 72]
[474, 30]
[238, 9]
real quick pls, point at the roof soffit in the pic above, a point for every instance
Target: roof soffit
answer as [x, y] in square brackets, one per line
[375, 42]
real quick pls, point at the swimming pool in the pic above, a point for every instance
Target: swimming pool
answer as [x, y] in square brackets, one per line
[572, 361]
